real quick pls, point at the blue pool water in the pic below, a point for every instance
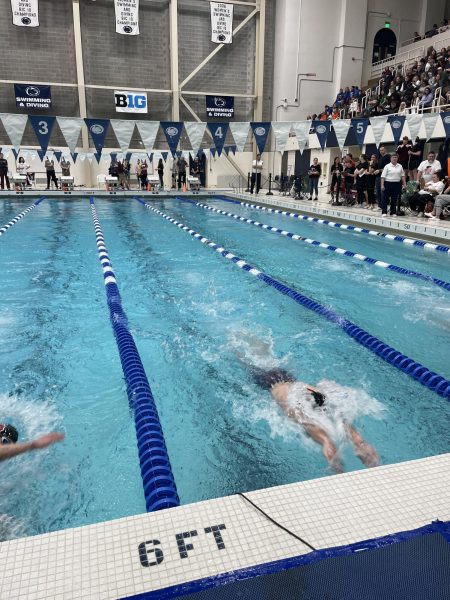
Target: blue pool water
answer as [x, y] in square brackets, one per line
[197, 319]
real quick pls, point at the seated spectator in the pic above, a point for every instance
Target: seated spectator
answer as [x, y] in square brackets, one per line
[346, 95]
[428, 167]
[433, 31]
[340, 97]
[427, 99]
[417, 36]
[424, 198]
[441, 201]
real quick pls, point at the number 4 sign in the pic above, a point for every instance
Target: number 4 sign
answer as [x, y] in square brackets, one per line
[219, 133]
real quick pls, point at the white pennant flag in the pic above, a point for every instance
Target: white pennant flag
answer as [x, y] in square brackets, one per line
[14, 126]
[301, 130]
[148, 131]
[195, 132]
[281, 130]
[378, 124]
[239, 131]
[90, 156]
[414, 123]
[106, 156]
[82, 156]
[341, 127]
[127, 17]
[124, 131]
[429, 120]
[25, 13]
[70, 128]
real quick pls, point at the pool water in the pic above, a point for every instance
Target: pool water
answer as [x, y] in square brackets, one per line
[199, 322]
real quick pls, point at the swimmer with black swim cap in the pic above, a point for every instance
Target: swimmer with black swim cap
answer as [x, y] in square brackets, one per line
[8, 434]
[267, 379]
[10, 447]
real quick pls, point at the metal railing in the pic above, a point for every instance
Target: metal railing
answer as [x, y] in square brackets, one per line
[415, 39]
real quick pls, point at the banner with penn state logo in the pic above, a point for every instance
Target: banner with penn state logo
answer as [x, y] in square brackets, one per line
[322, 129]
[221, 22]
[220, 106]
[33, 96]
[261, 131]
[98, 129]
[396, 122]
[172, 131]
[127, 17]
[25, 13]
[445, 116]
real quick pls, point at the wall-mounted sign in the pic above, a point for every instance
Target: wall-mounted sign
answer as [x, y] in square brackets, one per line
[33, 96]
[220, 106]
[127, 17]
[221, 23]
[131, 102]
[25, 13]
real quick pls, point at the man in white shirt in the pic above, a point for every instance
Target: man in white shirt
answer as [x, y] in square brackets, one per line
[392, 183]
[257, 166]
[419, 200]
[428, 167]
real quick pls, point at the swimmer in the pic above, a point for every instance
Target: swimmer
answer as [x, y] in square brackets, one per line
[299, 402]
[9, 447]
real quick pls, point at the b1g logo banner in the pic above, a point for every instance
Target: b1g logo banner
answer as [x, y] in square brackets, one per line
[33, 96]
[127, 17]
[25, 13]
[131, 102]
[220, 106]
[221, 23]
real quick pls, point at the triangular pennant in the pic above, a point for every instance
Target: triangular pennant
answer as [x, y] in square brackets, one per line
[359, 129]
[98, 128]
[227, 150]
[233, 149]
[58, 155]
[113, 156]
[239, 131]
[281, 130]
[172, 131]
[15, 152]
[414, 123]
[41, 154]
[106, 157]
[71, 129]
[14, 126]
[429, 120]
[219, 133]
[82, 156]
[445, 116]
[213, 152]
[98, 156]
[164, 155]
[301, 130]
[260, 131]
[123, 129]
[396, 122]
[43, 129]
[148, 131]
[322, 129]
[90, 156]
[341, 127]
[178, 153]
[74, 156]
[195, 132]
[128, 156]
[378, 124]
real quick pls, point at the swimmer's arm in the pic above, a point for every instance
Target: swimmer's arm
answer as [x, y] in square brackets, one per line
[11, 450]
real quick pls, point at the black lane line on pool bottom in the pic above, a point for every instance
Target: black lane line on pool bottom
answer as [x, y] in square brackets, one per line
[20, 216]
[417, 371]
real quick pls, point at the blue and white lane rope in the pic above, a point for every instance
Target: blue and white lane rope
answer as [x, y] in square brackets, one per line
[373, 261]
[354, 228]
[422, 374]
[159, 485]
[20, 216]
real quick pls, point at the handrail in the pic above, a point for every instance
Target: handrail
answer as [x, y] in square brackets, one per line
[423, 37]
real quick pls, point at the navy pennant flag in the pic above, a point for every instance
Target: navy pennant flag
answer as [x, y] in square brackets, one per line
[74, 156]
[261, 132]
[322, 129]
[58, 154]
[445, 116]
[98, 128]
[213, 152]
[41, 154]
[164, 155]
[397, 123]
[359, 129]
[219, 132]
[43, 129]
[172, 131]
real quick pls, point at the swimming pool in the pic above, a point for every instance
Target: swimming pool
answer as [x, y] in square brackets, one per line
[196, 320]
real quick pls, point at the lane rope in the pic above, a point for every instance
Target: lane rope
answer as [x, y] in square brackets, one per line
[20, 216]
[159, 485]
[354, 228]
[417, 371]
[342, 251]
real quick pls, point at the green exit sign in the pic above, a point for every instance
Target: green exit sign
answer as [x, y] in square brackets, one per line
[387, 25]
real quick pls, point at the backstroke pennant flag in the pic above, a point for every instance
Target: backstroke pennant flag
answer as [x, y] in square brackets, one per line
[414, 123]
[70, 128]
[127, 17]
[239, 131]
[429, 120]
[123, 128]
[301, 130]
[261, 131]
[98, 128]
[172, 131]
[221, 23]
[378, 125]
[25, 13]
[219, 132]
[281, 131]
[445, 116]
[43, 129]
[14, 126]
[359, 128]
[341, 127]
[396, 122]
[195, 132]
[148, 131]
[322, 129]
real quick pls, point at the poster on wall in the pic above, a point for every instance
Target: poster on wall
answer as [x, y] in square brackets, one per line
[130, 102]
[221, 23]
[33, 96]
[25, 13]
[220, 106]
[127, 17]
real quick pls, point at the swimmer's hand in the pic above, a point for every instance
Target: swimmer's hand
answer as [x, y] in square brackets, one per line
[46, 440]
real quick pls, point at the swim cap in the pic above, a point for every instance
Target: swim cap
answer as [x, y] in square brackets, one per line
[8, 434]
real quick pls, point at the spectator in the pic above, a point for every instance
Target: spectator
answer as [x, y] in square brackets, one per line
[315, 171]
[392, 181]
[403, 153]
[137, 170]
[360, 178]
[383, 159]
[144, 175]
[126, 172]
[51, 175]
[349, 170]
[441, 201]
[4, 173]
[428, 167]
[160, 170]
[22, 169]
[336, 178]
[402, 110]
[65, 167]
[425, 197]
[415, 158]
[427, 99]
[174, 173]
[182, 164]
[370, 177]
